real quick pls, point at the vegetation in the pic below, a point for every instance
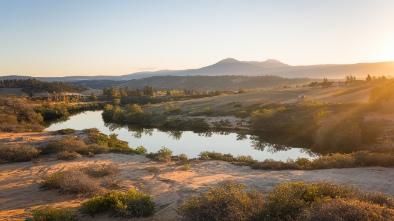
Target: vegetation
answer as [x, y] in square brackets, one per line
[226, 202]
[68, 155]
[66, 131]
[130, 204]
[18, 115]
[291, 201]
[164, 154]
[337, 160]
[95, 171]
[60, 111]
[33, 85]
[69, 143]
[52, 214]
[17, 153]
[71, 181]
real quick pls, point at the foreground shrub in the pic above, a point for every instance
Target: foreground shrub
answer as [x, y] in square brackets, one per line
[52, 214]
[297, 201]
[17, 152]
[226, 202]
[346, 210]
[287, 201]
[72, 181]
[68, 155]
[131, 204]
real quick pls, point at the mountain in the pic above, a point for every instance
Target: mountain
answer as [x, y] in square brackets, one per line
[231, 66]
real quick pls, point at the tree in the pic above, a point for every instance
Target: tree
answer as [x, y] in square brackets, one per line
[368, 78]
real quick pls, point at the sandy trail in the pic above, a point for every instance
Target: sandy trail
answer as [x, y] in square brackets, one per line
[169, 185]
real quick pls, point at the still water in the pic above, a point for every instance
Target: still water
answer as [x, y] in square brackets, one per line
[187, 142]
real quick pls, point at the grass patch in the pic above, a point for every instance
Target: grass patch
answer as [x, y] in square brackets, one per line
[130, 204]
[52, 214]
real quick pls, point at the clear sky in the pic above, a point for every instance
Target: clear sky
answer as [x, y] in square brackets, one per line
[116, 37]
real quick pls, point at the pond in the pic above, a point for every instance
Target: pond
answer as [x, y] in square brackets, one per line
[187, 142]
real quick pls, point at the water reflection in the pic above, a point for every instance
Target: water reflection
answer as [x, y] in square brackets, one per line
[188, 142]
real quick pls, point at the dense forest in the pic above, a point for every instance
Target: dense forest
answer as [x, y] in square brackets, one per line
[34, 85]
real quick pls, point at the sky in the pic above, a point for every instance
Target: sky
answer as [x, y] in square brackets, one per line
[116, 37]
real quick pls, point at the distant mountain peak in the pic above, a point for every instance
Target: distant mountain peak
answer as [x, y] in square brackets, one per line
[228, 60]
[273, 61]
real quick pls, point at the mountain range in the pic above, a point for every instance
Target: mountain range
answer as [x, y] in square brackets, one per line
[231, 66]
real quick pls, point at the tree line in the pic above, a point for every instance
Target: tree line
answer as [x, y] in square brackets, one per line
[34, 85]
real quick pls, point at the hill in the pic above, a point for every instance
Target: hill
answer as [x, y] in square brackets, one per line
[231, 66]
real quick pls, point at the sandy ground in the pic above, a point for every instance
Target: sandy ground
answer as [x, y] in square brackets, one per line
[169, 185]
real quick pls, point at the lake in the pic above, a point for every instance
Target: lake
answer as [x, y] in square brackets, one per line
[187, 142]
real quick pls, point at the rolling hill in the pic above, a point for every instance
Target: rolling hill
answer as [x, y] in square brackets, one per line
[231, 66]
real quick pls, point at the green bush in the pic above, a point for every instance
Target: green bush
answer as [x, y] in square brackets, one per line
[17, 152]
[111, 142]
[68, 155]
[53, 214]
[226, 202]
[71, 181]
[140, 150]
[130, 204]
[164, 154]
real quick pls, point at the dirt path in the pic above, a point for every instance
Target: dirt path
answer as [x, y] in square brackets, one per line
[169, 185]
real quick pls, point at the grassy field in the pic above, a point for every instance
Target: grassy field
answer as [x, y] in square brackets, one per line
[342, 94]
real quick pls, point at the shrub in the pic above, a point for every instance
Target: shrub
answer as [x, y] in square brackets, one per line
[53, 214]
[130, 204]
[98, 171]
[226, 202]
[270, 164]
[70, 181]
[65, 144]
[185, 166]
[334, 161]
[140, 150]
[68, 155]
[164, 154]
[287, 201]
[346, 210]
[183, 157]
[17, 152]
[97, 148]
[66, 131]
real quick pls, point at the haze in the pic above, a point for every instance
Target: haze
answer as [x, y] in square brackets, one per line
[66, 38]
